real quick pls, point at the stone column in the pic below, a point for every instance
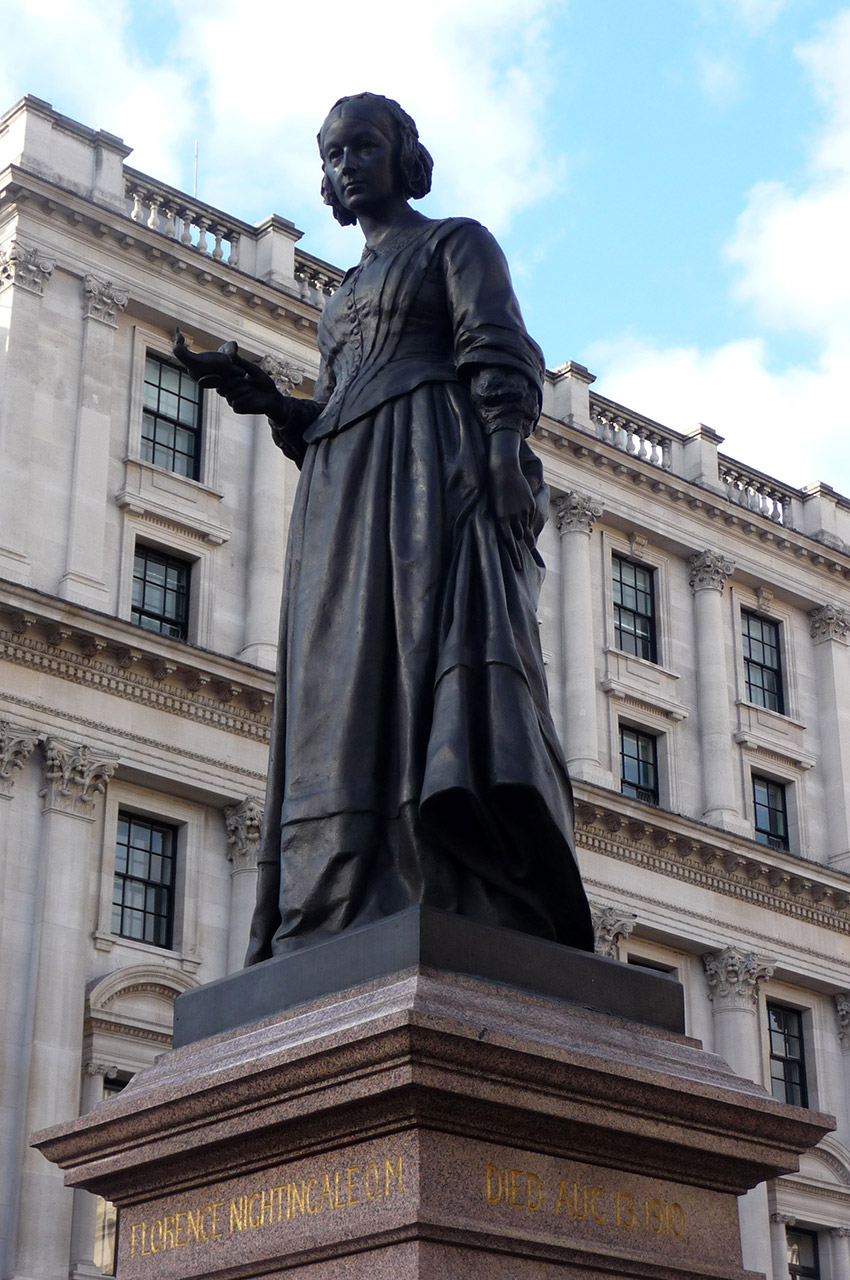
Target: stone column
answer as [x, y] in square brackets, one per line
[610, 924]
[83, 580]
[839, 1251]
[708, 574]
[16, 746]
[75, 778]
[830, 626]
[243, 822]
[267, 531]
[24, 270]
[85, 1203]
[842, 1008]
[575, 513]
[733, 977]
[779, 1243]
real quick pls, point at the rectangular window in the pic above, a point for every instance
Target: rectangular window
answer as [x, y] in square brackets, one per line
[634, 609]
[638, 765]
[171, 418]
[802, 1254]
[161, 593]
[143, 889]
[762, 662]
[771, 815]
[787, 1061]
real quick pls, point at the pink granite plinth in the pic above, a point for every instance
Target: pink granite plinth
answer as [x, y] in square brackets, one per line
[433, 1126]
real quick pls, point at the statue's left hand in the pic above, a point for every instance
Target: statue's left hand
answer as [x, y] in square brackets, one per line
[511, 498]
[245, 386]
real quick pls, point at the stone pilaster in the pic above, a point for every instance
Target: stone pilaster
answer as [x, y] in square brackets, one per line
[610, 925]
[708, 573]
[243, 823]
[779, 1243]
[75, 779]
[830, 629]
[83, 580]
[85, 1204]
[733, 976]
[575, 513]
[839, 1251]
[264, 578]
[24, 272]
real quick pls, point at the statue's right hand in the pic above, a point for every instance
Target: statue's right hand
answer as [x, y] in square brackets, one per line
[245, 386]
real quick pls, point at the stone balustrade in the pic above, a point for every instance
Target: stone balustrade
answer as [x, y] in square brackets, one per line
[190, 222]
[633, 434]
[757, 492]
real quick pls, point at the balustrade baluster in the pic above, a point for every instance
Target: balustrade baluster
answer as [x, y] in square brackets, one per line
[186, 237]
[202, 224]
[233, 257]
[153, 216]
[218, 252]
[138, 213]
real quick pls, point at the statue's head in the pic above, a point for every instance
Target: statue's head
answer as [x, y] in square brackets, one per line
[413, 162]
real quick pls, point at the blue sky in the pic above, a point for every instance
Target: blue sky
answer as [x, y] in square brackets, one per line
[669, 178]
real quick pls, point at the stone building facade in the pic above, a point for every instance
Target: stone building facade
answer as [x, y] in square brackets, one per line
[695, 622]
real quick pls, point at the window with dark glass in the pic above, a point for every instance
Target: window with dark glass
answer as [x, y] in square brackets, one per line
[634, 609]
[638, 765]
[161, 593]
[143, 889]
[787, 1057]
[762, 662]
[771, 814]
[802, 1254]
[171, 418]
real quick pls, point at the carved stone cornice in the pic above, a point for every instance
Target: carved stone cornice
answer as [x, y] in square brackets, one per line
[708, 570]
[842, 1008]
[733, 977]
[102, 299]
[610, 924]
[576, 512]
[26, 267]
[16, 746]
[285, 376]
[75, 776]
[829, 622]
[243, 823]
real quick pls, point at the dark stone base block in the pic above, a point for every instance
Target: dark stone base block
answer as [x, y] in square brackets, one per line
[428, 939]
[429, 1125]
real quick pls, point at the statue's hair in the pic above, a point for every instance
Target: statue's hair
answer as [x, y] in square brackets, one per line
[415, 163]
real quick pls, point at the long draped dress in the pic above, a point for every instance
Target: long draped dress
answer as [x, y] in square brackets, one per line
[413, 759]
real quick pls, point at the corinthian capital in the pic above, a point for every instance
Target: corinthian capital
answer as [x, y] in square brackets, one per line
[609, 926]
[24, 266]
[284, 375]
[576, 511]
[16, 746]
[733, 977]
[243, 823]
[829, 622]
[74, 776]
[102, 299]
[709, 569]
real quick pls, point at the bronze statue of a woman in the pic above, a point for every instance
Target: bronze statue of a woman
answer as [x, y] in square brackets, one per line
[414, 760]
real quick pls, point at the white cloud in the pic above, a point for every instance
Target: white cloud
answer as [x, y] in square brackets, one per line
[756, 15]
[792, 251]
[719, 79]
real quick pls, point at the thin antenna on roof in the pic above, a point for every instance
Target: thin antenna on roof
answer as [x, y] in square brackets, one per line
[195, 187]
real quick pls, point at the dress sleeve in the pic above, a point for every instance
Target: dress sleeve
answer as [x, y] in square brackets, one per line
[288, 431]
[489, 332]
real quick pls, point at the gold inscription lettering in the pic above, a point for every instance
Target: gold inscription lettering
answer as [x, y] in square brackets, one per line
[168, 1232]
[255, 1195]
[516, 1189]
[494, 1183]
[625, 1210]
[564, 1200]
[390, 1171]
[597, 1217]
[156, 1226]
[677, 1220]
[237, 1215]
[326, 1191]
[352, 1172]
[372, 1172]
[298, 1199]
[178, 1243]
[215, 1234]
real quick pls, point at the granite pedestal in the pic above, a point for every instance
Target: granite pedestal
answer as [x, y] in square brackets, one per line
[428, 1124]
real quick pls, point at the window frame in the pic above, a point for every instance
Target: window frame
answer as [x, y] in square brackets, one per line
[640, 733]
[171, 561]
[766, 835]
[772, 1007]
[618, 562]
[797, 1271]
[194, 429]
[751, 664]
[156, 826]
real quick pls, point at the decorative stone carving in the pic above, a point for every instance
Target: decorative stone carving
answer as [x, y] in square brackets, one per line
[103, 299]
[840, 1233]
[783, 1219]
[243, 823]
[16, 746]
[842, 1008]
[74, 776]
[829, 622]
[26, 267]
[733, 977]
[610, 924]
[106, 1069]
[709, 569]
[576, 511]
[284, 375]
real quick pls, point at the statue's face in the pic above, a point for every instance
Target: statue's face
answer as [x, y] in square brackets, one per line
[360, 158]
